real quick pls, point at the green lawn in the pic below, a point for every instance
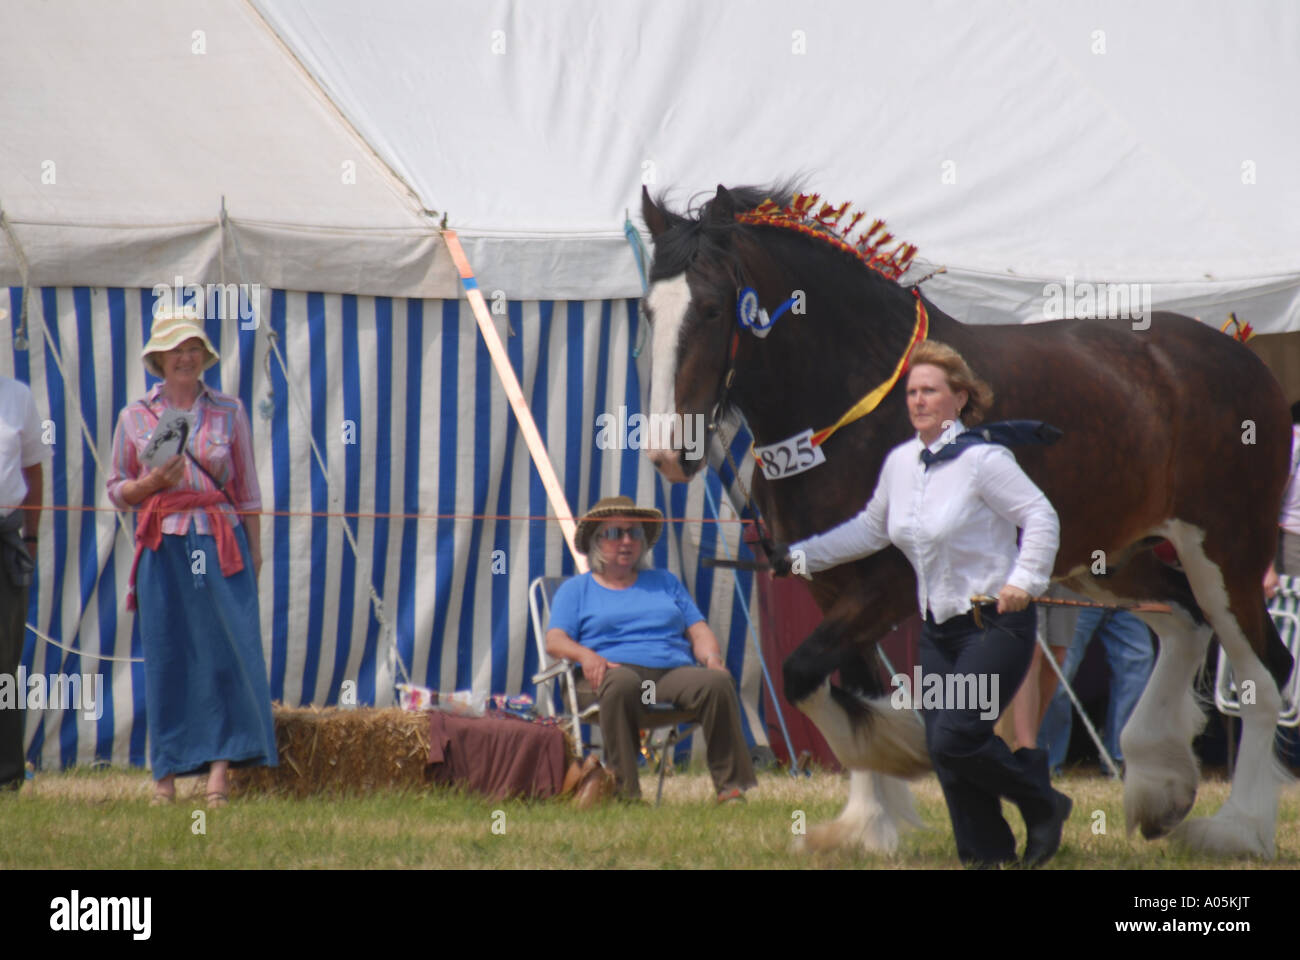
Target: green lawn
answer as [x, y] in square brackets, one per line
[102, 819]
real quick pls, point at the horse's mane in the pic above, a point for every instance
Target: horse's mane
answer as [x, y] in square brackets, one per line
[690, 234]
[694, 233]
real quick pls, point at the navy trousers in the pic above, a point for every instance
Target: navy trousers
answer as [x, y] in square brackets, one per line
[975, 767]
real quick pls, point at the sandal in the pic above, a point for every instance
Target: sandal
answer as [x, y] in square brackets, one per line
[162, 799]
[217, 798]
[734, 795]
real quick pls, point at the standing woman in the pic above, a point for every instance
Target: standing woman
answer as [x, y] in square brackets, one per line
[953, 507]
[194, 580]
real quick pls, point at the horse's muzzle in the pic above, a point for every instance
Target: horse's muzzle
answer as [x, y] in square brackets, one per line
[674, 466]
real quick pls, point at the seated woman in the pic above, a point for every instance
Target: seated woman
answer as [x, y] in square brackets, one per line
[625, 625]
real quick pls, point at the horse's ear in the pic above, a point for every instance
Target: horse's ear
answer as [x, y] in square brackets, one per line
[722, 209]
[655, 219]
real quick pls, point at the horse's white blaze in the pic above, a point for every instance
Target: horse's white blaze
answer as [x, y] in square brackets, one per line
[668, 301]
[1246, 823]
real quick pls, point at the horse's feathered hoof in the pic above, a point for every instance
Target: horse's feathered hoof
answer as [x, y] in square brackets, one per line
[877, 836]
[1158, 798]
[1154, 829]
[1227, 834]
[879, 810]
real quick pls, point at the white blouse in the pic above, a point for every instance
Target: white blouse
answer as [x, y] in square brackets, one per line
[955, 522]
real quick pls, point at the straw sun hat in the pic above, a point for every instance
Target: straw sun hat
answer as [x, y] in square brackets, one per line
[171, 328]
[618, 508]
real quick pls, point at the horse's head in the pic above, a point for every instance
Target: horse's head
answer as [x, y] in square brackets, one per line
[695, 276]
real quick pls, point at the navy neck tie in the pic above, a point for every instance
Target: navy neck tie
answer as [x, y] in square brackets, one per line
[1007, 433]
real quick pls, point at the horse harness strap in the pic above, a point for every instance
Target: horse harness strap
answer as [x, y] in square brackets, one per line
[873, 399]
[856, 412]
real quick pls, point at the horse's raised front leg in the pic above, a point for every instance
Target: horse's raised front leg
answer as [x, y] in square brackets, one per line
[866, 732]
[876, 742]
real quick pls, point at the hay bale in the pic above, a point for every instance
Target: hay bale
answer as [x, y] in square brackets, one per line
[328, 750]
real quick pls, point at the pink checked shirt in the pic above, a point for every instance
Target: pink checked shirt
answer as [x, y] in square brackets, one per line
[223, 443]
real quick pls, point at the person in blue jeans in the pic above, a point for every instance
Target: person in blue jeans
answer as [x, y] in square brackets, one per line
[1131, 658]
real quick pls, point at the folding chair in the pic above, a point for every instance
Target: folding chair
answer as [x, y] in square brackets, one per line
[1285, 610]
[654, 717]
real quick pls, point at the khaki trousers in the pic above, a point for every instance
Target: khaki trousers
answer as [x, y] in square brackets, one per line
[708, 694]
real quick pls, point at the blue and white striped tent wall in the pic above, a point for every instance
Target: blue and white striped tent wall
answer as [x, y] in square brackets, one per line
[433, 436]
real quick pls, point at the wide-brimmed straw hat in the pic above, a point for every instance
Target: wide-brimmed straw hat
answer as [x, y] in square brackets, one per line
[171, 328]
[618, 508]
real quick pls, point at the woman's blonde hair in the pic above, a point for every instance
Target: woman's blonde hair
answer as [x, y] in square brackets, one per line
[959, 376]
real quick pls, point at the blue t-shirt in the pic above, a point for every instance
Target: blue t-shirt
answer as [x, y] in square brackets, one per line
[644, 624]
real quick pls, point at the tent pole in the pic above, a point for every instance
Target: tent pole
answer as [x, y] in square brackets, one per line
[515, 394]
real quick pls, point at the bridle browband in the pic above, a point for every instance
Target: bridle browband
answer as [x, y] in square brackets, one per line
[869, 402]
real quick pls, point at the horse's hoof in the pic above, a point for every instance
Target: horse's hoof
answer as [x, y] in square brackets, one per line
[822, 838]
[1156, 801]
[874, 835]
[1227, 835]
[1154, 829]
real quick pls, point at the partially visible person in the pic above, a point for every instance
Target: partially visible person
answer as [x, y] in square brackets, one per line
[1019, 727]
[1131, 657]
[1288, 545]
[627, 625]
[198, 553]
[22, 454]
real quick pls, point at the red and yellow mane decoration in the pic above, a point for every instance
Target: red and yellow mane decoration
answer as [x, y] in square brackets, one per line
[1241, 332]
[824, 225]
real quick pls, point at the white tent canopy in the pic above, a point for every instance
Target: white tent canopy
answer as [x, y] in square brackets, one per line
[1017, 144]
[127, 125]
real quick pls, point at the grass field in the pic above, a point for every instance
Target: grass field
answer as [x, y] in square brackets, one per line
[101, 819]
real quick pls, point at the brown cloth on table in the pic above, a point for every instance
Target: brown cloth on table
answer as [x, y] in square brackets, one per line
[497, 756]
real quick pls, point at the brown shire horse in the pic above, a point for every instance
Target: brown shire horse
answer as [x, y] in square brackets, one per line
[1172, 432]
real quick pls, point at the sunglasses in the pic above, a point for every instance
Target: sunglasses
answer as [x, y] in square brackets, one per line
[617, 533]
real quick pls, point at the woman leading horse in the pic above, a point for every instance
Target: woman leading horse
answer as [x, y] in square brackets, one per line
[1172, 431]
